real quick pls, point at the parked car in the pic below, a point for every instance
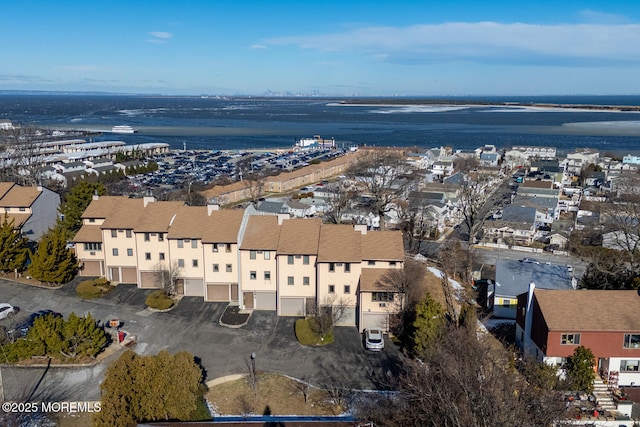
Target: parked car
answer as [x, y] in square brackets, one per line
[6, 310]
[530, 261]
[374, 339]
[23, 327]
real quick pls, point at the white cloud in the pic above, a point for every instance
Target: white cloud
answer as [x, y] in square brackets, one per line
[258, 46]
[161, 34]
[159, 37]
[482, 41]
[594, 16]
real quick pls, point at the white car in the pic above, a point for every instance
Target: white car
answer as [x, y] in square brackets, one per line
[374, 339]
[6, 310]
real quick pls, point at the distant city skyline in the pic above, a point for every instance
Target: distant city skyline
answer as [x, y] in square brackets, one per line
[328, 48]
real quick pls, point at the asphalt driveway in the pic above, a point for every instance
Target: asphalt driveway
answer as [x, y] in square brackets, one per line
[193, 326]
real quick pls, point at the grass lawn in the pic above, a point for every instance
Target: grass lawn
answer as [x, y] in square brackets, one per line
[306, 335]
[274, 394]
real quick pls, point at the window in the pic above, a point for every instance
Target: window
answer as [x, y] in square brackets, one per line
[392, 263]
[229, 268]
[181, 263]
[332, 267]
[252, 254]
[290, 259]
[253, 275]
[570, 339]
[114, 251]
[147, 256]
[305, 281]
[382, 296]
[332, 289]
[194, 262]
[160, 237]
[371, 263]
[631, 341]
[215, 247]
[216, 268]
[305, 259]
[23, 209]
[161, 256]
[347, 289]
[128, 233]
[114, 233]
[629, 365]
[267, 275]
[194, 244]
[347, 267]
[227, 248]
[506, 302]
[129, 252]
[7, 208]
[93, 246]
[146, 237]
[91, 220]
[267, 254]
[290, 280]
[180, 243]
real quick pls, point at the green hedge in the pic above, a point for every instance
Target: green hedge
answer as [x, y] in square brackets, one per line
[94, 288]
[158, 300]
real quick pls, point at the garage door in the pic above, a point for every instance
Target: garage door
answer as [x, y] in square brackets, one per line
[217, 292]
[292, 306]
[265, 300]
[375, 320]
[149, 280]
[129, 275]
[91, 268]
[193, 288]
[348, 317]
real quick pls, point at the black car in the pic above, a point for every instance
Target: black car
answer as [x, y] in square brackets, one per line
[23, 327]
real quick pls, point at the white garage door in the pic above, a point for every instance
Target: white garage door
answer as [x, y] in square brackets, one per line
[149, 279]
[291, 306]
[193, 288]
[375, 320]
[348, 317]
[265, 301]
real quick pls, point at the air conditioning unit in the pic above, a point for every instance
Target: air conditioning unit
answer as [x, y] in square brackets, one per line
[383, 304]
[92, 253]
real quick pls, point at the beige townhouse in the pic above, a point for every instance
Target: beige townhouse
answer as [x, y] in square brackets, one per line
[296, 261]
[258, 275]
[33, 210]
[263, 262]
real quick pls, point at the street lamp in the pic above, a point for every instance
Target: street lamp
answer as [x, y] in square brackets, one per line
[253, 364]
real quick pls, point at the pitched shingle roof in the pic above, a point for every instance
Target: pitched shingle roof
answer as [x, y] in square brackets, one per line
[339, 243]
[157, 217]
[262, 233]
[223, 226]
[371, 280]
[299, 236]
[19, 196]
[589, 310]
[5, 187]
[88, 233]
[383, 245]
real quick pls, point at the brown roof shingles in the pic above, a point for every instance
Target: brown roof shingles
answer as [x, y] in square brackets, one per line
[222, 226]
[371, 280]
[88, 233]
[339, 243]
[383, 245]
[299, 236]
[589, 310]
[5, 187]
[18, 196]
[262, 233]
[157, 217]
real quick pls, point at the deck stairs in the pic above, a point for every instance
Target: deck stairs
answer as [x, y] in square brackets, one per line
[603, 395]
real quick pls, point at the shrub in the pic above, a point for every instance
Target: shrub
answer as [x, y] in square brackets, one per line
[159, 300]
[307, 336]
[89, 289]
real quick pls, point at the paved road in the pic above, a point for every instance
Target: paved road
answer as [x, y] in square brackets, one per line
[193, 326]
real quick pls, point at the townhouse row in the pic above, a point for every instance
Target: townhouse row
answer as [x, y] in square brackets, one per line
[262, 262]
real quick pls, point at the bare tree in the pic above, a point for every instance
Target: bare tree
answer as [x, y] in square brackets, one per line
[166, 275]
[385, 176]
[301, 387]
[466, 164]
[339, 203]
[470, 203]
[327, 314]
[22, 155]
[417, 222]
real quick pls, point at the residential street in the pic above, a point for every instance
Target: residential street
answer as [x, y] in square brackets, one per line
[192, 326]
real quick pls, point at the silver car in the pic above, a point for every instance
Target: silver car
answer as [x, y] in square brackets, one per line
[374, 339]
[6, 310]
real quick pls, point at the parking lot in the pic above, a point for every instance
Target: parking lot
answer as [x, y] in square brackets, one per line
[193, 326]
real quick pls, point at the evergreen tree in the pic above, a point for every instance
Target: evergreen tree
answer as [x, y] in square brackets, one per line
[75, 203]
[429, 324]
[176, 381]
[580, 369]
[14, 251]
[82, 336]
[53, 262]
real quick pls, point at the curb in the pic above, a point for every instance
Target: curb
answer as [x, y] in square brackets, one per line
[227, 378]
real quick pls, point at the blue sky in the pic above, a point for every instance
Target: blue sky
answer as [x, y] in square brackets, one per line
[484, 47]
